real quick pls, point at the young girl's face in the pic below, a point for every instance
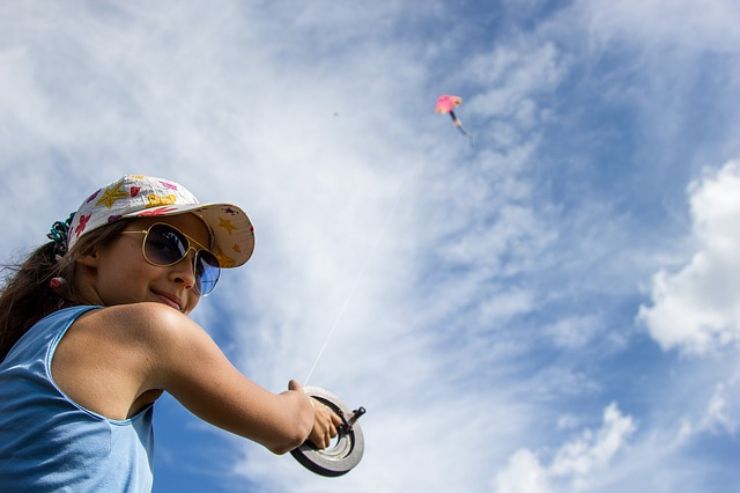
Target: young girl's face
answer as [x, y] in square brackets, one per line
[118, 273]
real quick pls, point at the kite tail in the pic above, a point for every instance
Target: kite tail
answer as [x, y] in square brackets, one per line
[456, 121]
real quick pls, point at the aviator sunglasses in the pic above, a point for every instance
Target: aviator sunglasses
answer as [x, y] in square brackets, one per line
[165, 245]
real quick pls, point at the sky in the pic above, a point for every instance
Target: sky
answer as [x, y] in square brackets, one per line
[549, 306]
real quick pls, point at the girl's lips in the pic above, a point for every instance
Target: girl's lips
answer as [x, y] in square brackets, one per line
[169, 301]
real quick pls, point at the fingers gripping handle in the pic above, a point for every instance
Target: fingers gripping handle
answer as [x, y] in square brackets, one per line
[345, 454]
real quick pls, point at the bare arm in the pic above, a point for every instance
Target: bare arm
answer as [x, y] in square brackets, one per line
[175, 354]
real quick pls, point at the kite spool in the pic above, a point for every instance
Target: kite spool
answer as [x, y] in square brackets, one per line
[340, 458]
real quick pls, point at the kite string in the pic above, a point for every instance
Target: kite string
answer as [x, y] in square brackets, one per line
[360, 276]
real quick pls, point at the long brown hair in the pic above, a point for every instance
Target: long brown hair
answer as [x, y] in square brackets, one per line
[26, 298]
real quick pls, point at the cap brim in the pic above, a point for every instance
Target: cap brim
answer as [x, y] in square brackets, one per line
[231, 230]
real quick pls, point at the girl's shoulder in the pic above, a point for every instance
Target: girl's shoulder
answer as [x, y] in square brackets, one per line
[105, 360]
[139, 312]
[140, 343]
[132, 322]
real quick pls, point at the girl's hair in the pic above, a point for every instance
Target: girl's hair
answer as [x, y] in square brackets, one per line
[26, 297]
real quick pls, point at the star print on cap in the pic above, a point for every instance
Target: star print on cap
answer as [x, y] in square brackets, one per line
[231, 230]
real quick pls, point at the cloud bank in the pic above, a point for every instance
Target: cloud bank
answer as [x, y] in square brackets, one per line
[696, 308]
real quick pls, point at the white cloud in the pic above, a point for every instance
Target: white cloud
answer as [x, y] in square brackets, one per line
[567, 422]
[574, 465]
[502, 307]
[697, 308]
[722, 412]
[573, 332]
[677, 25]
[593, 451]
[523, 474]
[514, 79]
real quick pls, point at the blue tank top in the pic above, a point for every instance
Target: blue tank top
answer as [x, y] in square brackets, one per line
[50, 443]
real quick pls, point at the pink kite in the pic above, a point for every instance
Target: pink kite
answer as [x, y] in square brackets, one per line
[446, 104]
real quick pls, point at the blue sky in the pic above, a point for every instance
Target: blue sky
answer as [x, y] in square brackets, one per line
[548, 307]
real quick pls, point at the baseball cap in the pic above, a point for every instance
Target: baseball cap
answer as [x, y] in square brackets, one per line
[139, 196]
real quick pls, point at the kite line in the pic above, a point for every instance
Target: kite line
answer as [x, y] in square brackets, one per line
[361, 275]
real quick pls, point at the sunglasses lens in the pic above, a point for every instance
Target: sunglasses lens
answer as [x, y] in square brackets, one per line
[164, 245]
[207, 272]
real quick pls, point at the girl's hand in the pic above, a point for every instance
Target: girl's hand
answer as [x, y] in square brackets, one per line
[325, 425]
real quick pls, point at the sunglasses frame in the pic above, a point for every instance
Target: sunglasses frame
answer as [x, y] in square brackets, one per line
[191, 241]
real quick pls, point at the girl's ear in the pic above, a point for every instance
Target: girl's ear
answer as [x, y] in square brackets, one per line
[90, 259]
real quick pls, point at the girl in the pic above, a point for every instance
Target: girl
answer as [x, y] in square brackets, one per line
[94, 327]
